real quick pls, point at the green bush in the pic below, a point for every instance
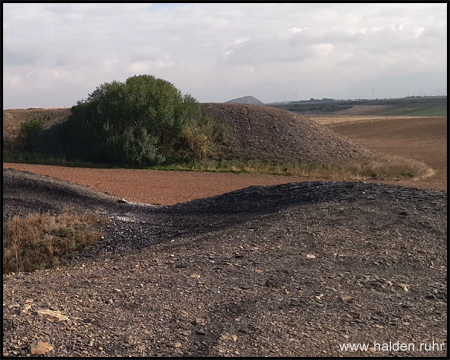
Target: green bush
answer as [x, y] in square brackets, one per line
[142, 122]
[202, 140]
[30, 133]
[140, 146]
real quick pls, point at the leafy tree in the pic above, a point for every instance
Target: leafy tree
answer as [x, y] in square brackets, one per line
[140, 122]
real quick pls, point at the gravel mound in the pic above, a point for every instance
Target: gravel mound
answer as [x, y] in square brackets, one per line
[288, 270]
[25, 192]
[265, 132]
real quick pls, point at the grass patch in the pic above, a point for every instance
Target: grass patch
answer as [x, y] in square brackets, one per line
[251, 166]
[394, 168]
[391, 169]
[23, 157]
[40, 241]
[440, 111]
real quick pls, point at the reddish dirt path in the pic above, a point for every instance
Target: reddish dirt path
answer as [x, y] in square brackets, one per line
[424, 140]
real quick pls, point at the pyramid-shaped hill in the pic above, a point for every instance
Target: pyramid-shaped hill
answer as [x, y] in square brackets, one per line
[250, 100]
[266, 132]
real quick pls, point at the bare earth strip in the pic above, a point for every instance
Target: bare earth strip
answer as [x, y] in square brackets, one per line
[423, 139]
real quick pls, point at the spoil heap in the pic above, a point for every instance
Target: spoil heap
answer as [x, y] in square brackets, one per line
[266, 133]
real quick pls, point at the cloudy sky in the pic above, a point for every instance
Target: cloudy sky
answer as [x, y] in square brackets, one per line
[55, 53]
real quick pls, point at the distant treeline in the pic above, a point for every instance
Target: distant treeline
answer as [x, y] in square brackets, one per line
[313, 108]
[326, 105]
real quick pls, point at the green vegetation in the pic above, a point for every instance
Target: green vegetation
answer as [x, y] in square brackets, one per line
[440, 111]
[314, 108]
[142, 122]
[409, 106]
[26, 157]
[41, 241]
[29, 135]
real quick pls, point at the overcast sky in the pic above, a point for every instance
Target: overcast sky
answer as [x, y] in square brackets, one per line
[56, 53]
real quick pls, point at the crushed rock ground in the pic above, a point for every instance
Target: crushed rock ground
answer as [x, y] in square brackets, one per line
[297, 269]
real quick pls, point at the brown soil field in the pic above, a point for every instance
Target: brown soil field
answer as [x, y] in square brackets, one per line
[153, 186]
[423, 139]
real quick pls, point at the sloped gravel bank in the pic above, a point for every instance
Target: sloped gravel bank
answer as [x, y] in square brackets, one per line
[265, 132]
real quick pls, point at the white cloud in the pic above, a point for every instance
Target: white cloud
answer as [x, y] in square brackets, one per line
[12, 82]
[324, 50]
[218, 51]
[295, 30]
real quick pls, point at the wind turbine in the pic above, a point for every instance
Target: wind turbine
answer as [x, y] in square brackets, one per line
[295, 95]
[284, 95]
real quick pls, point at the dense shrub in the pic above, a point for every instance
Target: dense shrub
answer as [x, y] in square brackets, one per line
[141, 122]
[30, 133]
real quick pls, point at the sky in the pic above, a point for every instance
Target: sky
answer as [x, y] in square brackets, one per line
[55, 54]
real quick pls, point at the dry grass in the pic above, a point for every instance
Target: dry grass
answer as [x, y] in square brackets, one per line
[40, 241]
[393, 168]
[11, 131]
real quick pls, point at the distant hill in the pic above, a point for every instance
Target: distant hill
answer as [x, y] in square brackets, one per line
[251, 100]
